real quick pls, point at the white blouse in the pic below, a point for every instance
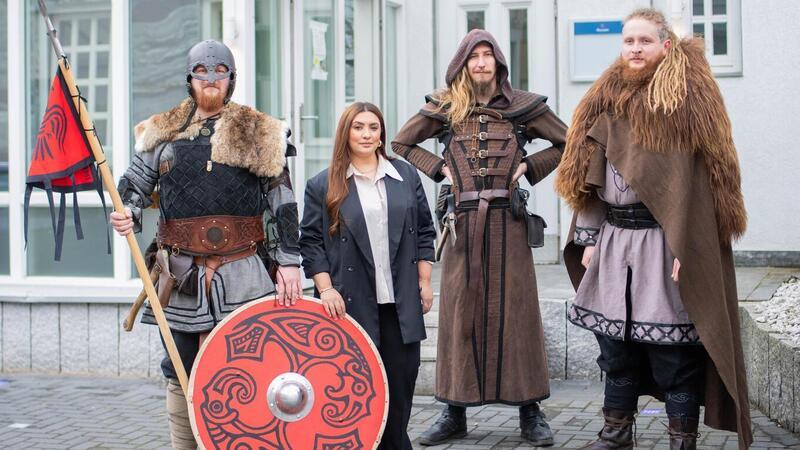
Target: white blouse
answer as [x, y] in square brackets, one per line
[372, 194]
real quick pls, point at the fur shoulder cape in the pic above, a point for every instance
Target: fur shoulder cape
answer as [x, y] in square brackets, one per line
[243, 137]
[699, 124]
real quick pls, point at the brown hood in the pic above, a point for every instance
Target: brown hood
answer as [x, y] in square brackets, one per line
[459, 60]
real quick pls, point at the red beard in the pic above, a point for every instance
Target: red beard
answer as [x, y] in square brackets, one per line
[209, 99]
[640, 75]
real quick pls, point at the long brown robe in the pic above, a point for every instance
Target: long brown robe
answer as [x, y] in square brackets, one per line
[684, 167]
[491, 344]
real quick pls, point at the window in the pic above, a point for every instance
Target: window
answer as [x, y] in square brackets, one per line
[391, 109]
[3, 106]
[84, 30]
[476, 19]
[4, 250]
[719, 23]
[349, 53]
[518, 30]
[269, 43]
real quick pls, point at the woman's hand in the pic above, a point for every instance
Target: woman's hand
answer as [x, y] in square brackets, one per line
[588, 251]
[333, 303]
[521, 169]
[676, 267]
[426, 293]
[122, 223]
[446, 172]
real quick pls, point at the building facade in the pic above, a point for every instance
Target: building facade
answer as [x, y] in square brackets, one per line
[304, 61]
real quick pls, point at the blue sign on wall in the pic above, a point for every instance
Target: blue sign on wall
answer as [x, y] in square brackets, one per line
[610, 27]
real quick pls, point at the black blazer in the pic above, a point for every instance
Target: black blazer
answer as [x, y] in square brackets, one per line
[347, 255]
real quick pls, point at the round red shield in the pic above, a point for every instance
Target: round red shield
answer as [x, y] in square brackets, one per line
[277, 377]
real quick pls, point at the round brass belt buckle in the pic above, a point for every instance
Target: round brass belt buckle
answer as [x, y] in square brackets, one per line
[214, 234]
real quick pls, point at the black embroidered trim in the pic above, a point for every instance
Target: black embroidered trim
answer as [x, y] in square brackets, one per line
[595, 322]
[664, 333]
[653, 333]
[586, 236]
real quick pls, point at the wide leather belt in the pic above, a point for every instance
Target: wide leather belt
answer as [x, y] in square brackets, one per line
[476, 259]
[211, 235]
[635, 216]
[484, 136]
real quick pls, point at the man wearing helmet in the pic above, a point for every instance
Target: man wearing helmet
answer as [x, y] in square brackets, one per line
[217, 167]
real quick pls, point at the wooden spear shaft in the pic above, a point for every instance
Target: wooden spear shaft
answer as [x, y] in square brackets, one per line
[108, 181]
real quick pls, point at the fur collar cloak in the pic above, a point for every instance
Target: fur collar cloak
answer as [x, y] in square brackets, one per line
[699, 124]
[243, 137]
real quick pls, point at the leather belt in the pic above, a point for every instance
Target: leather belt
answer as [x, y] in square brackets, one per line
[488, 172]
[476, 260]
[484, 136]
[211, 235]
[635, 216]
[212, 262]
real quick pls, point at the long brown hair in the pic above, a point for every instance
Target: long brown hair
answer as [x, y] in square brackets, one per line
[458, 100]
[340, 160]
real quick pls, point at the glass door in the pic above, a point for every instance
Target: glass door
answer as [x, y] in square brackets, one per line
[318, 90]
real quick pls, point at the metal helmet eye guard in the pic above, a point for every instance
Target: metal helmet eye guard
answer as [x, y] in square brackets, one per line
[210, 54]
[211, 74]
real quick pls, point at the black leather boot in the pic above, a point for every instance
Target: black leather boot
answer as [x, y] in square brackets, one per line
[683, 433]
[452, 424]
[533, 426]
[617, 433]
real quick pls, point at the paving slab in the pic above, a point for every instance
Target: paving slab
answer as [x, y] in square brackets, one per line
[90, 412]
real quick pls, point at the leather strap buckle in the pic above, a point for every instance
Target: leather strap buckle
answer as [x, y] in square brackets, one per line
[483, 135]
[482, 172]
[483, 118]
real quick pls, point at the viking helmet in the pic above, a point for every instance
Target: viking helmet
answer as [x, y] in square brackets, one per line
[210, 54]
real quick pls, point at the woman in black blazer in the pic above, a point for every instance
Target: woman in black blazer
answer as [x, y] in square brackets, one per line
[367, 241]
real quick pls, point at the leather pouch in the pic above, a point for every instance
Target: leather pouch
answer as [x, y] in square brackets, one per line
[536, 226]
[519, 203]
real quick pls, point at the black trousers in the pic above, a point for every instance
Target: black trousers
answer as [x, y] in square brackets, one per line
[677, 370]
[402, 366]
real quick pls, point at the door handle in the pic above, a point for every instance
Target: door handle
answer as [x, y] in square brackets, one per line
[309, 117]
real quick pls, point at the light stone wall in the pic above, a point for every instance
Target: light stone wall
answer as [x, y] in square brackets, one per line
[773, 372]
[76, 338]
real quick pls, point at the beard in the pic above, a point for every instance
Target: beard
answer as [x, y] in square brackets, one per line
[484, 89]
[209, 99]
[640, 75]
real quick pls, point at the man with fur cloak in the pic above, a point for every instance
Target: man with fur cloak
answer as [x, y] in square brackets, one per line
[491, 345]
[218, 167]
[651, 170]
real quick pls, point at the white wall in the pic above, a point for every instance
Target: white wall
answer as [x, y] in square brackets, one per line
[762, 104]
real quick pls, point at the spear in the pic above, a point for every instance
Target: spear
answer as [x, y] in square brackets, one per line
[108, 181]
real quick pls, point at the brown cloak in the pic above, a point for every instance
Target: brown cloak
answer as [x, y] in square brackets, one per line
[491, 344]
[684, 167]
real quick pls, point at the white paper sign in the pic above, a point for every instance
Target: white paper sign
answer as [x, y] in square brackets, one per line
[318, 50]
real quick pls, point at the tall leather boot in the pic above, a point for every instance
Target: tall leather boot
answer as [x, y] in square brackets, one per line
[180, 429]
[451, 424]
[533, 427]
[617, 433]
[683, 433]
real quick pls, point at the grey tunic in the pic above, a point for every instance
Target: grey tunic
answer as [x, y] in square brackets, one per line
[234, 283]
[657, 313]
